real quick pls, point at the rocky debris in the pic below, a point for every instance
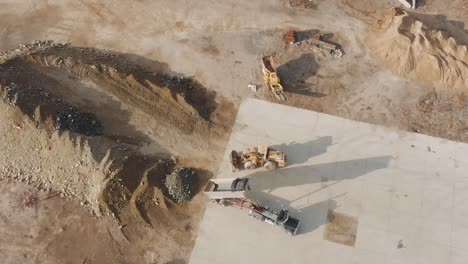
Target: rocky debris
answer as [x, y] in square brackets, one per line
[302, 4]
[10, 93]
[181, 184]
[25, 49]
[79, 122]
[65, 116]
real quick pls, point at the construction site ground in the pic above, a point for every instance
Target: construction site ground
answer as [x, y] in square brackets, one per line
[166, 80]
[363, 193]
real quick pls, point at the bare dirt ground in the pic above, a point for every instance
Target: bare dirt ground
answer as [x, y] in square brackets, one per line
[120, 74]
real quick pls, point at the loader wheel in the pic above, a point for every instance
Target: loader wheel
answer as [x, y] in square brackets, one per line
[249, 165]
[269, 165]
[234, 161]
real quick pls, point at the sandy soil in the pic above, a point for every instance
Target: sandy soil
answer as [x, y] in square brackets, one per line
[107, 172]
[220, 44]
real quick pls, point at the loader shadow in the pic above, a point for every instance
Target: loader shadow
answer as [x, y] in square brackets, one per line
[298, 153]
[311, 215]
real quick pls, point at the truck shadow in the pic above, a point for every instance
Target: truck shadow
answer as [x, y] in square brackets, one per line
[306, 34]
[298, 153]
[311, 214]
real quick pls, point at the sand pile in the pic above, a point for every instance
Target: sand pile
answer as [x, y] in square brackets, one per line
[421, 48]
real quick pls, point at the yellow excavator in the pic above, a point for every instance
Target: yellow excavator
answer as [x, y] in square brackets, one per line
[271, 78]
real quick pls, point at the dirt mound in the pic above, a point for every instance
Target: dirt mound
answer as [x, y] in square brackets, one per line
[76, 156]
[180, 100]
[98, 128]
[68, 157]
[25, 49]
[159, 113]
[420, 48]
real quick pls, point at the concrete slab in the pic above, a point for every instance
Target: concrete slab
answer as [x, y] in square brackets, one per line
[406, 192]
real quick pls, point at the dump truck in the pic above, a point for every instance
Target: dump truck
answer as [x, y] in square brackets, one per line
[231, 192]
[218, 189]
[261, 156]
[319, 44]
[270, 76]
[282, 218]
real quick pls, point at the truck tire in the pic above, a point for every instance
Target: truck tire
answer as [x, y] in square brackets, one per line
[242, 184]
[249, 165]
[234, 184]
[270, 165]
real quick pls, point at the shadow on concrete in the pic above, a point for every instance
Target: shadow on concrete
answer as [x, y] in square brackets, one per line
[333, 171]
[312, 215]
[298, 153]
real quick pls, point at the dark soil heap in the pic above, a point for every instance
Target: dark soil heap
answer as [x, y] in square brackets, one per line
[79, 122]
[181, 184]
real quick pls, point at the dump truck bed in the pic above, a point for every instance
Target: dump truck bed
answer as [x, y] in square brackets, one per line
[226, 188]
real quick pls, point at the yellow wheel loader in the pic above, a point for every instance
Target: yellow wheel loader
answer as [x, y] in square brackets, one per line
[271, 78]
[261, 156]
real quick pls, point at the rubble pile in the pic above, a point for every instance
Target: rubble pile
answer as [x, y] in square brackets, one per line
[180, 184]
[79, 122]
[25, 49]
